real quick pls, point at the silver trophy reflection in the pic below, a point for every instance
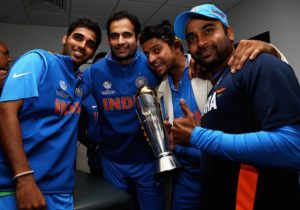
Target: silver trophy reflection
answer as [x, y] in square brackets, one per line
[148, 109]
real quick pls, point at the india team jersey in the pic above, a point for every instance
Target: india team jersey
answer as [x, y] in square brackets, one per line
[262, 96]
[114, 88]
[48, 119]
[93, 129]
[189, 157]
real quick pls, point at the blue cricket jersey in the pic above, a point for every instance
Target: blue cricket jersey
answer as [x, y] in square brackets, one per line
[48, 119]
[93, 129]
[114, 88]
[189, 157]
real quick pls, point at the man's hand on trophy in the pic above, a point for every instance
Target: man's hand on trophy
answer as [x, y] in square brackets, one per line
[183, 127]
[145, 135]
[170, 135]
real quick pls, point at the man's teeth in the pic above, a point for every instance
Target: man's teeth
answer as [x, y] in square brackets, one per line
[207, 51]
[157, 64]
[79, 53]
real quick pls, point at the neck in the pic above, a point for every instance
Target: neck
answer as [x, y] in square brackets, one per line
[223, 65]
[76, 68]
[177, 71]
[124, 62]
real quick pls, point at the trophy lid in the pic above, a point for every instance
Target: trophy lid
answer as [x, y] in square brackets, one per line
[147, 89]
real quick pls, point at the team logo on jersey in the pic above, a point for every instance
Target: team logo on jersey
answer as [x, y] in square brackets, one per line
[78, 91]
[62, 93]
[63, 85]
[107, 85]
[141, 81]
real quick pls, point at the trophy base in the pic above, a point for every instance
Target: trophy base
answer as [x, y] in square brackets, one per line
[166, 166]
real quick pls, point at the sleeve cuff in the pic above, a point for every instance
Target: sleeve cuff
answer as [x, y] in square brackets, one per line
[280, 55]
[194, 135]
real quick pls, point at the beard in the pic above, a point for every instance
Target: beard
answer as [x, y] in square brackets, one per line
[215, 60]
[130, 55]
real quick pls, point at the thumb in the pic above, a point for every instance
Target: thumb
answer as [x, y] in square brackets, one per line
[184, 107]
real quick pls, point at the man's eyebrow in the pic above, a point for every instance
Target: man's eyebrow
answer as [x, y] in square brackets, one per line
[199, 29]
[154, 46]
[81, 35]
[78, 34]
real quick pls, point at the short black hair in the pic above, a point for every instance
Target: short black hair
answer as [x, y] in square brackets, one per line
[86, 22]
[163, 30]
[99, 55]
[122, 15]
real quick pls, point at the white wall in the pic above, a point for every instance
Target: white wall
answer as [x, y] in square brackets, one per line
[281, 18]
[22, 38]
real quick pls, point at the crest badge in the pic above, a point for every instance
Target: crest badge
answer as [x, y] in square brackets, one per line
[141, 81]
[78, 91]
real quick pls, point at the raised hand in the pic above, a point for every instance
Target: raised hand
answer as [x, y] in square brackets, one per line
[183, 127]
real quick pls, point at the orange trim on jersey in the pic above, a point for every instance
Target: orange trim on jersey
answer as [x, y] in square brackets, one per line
[246, 189]
[219, 91]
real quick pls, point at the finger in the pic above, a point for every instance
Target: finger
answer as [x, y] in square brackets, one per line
[254, 54]
[230, 61]
[168, 126]
[235, 60]
[184, 107]
[192, 69]
[243, 58]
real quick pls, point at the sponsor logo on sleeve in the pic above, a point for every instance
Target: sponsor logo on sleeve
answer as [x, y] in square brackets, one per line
[19, 75]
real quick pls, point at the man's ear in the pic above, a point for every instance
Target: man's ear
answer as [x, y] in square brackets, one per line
[176, 45]
[64, 40]
[138, 39]
[230, 33]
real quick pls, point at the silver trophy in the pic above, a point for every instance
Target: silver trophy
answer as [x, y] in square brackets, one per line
[148, 109]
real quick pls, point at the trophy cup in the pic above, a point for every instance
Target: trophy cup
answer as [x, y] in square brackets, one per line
[148, 109]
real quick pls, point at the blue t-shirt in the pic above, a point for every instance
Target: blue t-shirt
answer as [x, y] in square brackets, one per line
[264, 95]
[189, 157]
[48, 119]
[114, 90]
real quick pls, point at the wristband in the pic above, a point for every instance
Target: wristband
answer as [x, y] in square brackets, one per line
[23, 174]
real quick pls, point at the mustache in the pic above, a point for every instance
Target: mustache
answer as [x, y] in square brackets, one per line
[200, 50]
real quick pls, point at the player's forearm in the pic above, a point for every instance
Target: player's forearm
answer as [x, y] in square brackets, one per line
[190, 152]
[11, 137]
[277, 148]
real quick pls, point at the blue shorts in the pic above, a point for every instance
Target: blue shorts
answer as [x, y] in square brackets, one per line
[54, 201]
[186, 192]
[138, 181]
